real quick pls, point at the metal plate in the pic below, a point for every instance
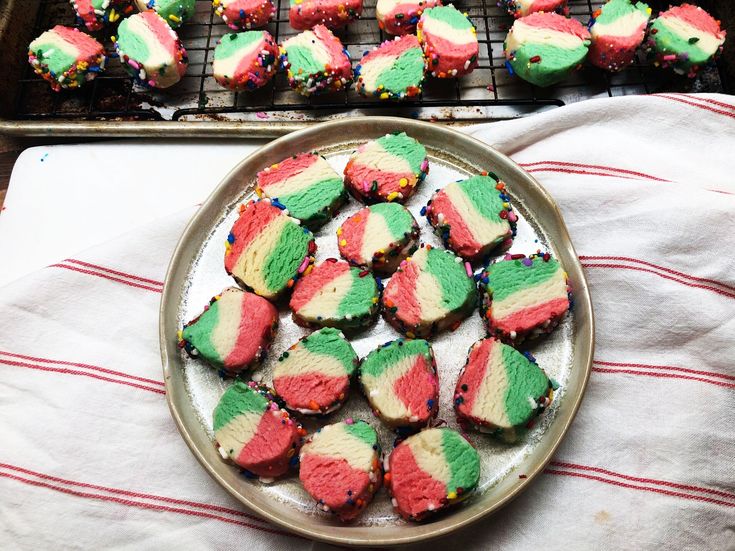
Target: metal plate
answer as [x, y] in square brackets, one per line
[196, 273]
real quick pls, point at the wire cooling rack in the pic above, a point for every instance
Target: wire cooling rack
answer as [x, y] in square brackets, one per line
[489, 92]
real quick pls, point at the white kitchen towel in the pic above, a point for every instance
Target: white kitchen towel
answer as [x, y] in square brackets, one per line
[90, 458]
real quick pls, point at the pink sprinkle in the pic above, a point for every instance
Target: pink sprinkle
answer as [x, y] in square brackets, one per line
[304, 265]
[349, 421]
[274, 406]
[468, 269]
[261, 115]
[424, 165]
[670, 57]
[512, 216]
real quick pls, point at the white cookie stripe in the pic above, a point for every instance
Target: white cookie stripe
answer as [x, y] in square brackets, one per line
[428, 450]
[225, 333]
[528, 34]
[316, 172]
[376, 235]
[313, 43]
[381, 393]
[301, 361]
[325, 303]
[482, 229]
[528, 297]
[371, 70]
[489, 402]
[448, 32]
[621, 27]
[375, 156]
[157, 54]
[428, 292]
[228, 66]
[249, 266]
[336, 442]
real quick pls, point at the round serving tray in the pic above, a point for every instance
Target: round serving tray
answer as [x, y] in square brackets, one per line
[196, 273]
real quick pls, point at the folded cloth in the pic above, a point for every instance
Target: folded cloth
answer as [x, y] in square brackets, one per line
[90, 458]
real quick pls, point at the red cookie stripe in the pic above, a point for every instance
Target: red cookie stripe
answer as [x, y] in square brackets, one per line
[286, 169]
[415, 385]
[473, 378]
[321, 276]
[535, 315]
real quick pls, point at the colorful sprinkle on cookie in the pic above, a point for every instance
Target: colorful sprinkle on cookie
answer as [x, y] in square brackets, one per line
[245, 61]
[241, 15]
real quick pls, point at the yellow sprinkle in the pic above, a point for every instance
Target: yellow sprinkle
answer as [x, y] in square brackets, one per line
[375, 300]
[308, 270]
[343, 242]
[339, 231]
[113, 16]
[228, 246]
[215, 3]
[259, 192]
[410, 335]
[274, 166]
[506, 205]
[551, 394]
[452, 495]
[384, 95]
[180, 334]
[392, 196]
[403, 182]
[174, 18]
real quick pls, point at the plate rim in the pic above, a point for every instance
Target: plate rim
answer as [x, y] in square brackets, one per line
[171, 296]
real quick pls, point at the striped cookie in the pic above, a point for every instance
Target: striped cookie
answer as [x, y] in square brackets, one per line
[524, 297]
[313, 376]
[393, 70]
[386, 169]
[449, 41]
[545, 48]
[266, 250]
[333, 14]
[617, 29]
[245, 61]
[684, 38]
[522, 8]
[96, 14]
[431, 291]
[334, 294]
[242, 15]
[150, 50]
[430, 471]
[233, 333]
[401, 16]
[500, 390]
[378, 237]
[66, 57]
[307, 185]
[175, 12]
[400, 382]
[318, 62]
[340, 467]
[473, 216]
[253, 432]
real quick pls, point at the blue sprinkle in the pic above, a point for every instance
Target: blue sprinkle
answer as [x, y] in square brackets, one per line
[423, 211]
[509, 67]
[231, 239]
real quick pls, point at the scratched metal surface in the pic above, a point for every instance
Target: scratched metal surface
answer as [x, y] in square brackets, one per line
[202, 275]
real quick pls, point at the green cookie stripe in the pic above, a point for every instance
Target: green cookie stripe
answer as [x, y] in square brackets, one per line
[233, 43]
[58, 62]
[199, 334]
[238, 400]
[525, 380]
[329, 342]
[556, 63]
[183, 9]
[382, 358]
[311, 202]
[131, 43]
[284, 261]
[669, 41]
[512, 276]
[481, 192]
[407, 71]
[397, 218]
[358, 300]
[302, 58]
[462, 459]
[362, 431]
[449, 15]
[405, 147]
[615, 9]
[457, 288]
